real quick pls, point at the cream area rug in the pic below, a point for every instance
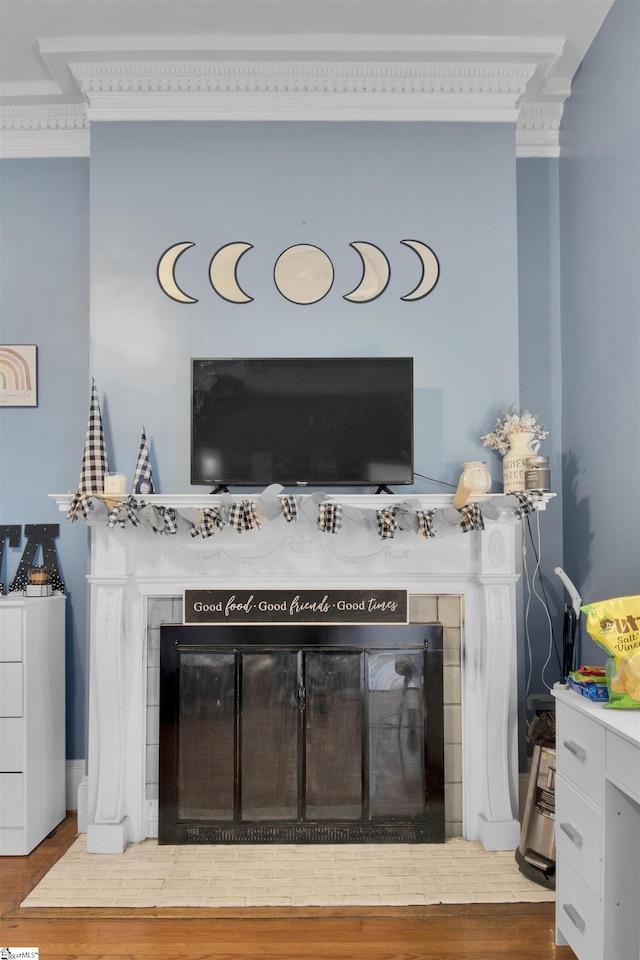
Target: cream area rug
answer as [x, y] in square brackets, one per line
[274, 875]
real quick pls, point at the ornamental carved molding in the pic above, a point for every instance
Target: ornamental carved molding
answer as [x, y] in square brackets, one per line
[47, 130]
[471, 84]
[58, 117]
[538, 128]
[323, 78]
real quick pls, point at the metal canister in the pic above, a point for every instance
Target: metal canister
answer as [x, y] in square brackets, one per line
[537, 475]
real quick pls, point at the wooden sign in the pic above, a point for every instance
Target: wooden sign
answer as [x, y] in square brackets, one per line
[295, 606]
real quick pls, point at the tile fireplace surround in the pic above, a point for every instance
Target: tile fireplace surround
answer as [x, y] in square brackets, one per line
[137, 576]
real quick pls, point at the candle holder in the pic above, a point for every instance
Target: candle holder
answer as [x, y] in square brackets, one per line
[38, 582]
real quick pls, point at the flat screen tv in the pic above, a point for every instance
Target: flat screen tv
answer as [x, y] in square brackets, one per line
[345, 421]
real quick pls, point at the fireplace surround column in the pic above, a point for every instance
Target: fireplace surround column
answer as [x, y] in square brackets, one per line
[109, 830]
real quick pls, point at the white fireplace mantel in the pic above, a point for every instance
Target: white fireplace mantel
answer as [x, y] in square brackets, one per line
[130, 565]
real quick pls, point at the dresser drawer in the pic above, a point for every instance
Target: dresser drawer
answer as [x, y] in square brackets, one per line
[579, 834]
[623, 764]
[11, 745]
[10, 630]
[11, 693]
[12, 799]
[579, 914]
[580, 749]
[10, 644]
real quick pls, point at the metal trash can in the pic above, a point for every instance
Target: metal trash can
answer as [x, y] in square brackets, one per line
[536, 853]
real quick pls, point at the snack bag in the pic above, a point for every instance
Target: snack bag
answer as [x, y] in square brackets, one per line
[615, 626]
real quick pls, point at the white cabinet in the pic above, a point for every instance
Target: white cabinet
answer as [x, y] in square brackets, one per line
[32, 720]
[597, 828]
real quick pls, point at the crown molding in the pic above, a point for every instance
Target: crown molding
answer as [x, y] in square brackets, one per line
[44, 130]
[538, 128]
[467, 92]
[285, 77]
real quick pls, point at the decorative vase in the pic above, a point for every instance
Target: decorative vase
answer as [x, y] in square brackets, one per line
[521, 446]
[475, 477]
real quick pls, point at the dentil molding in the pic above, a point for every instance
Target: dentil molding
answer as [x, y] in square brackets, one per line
[461, 79]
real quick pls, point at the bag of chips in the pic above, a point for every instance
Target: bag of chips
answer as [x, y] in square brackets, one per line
[615, 626]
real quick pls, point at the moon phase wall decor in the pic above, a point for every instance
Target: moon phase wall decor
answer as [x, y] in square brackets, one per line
[430, 270]
[375, 273]
[223, 272]
[303, 273]
[166, 272]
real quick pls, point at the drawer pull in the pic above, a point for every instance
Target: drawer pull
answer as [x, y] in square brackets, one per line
[574, 916]
[577, 751]
[575, 837]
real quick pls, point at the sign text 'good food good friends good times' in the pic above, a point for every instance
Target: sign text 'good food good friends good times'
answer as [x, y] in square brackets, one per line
[295, 606]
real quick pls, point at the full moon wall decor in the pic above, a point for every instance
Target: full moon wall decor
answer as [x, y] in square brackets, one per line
[303, 273]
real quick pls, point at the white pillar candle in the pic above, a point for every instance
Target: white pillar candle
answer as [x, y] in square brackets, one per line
[115, 483]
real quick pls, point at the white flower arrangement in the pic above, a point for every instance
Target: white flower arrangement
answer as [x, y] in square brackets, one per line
[522, 422]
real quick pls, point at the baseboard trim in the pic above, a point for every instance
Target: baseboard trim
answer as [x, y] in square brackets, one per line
[74, 772]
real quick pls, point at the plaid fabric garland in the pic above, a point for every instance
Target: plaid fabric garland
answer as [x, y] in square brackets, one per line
[329, 517]
[289, 508]
[526, 504]
[143, 478]
[387, 525]
[471, 518]
[122, 513]
[210, 522]
[425, 523]
[242, 516]
[170, 517]
[94, 461]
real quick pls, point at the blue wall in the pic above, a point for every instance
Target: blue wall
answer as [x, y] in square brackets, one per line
[278, 184]
[600, 253]
[44, 284]
[540, 391]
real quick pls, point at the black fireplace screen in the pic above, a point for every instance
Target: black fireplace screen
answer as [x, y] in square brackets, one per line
[301, 734]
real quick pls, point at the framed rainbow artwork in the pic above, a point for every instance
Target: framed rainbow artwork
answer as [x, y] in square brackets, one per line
[18, 375]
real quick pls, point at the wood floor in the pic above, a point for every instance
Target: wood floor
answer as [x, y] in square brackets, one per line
[476, 931]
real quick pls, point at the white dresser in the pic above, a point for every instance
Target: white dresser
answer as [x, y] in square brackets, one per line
[597, 828]
[32, 720]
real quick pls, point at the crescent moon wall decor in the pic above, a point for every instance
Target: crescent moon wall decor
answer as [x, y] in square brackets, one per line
[303, 274]
[430, 270]
[166, 273]
[375, 273]
[223, 272]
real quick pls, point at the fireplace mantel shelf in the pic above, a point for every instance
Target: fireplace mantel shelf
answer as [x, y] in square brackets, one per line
[503, 502]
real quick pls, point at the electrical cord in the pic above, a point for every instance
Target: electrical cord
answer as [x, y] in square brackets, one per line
[545, 603]
[454, 486]
[525, 567]
[532, 591]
